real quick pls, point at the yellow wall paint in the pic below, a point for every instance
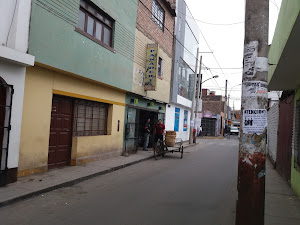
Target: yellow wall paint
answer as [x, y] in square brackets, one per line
[39, 86]
[95, 145]
[163, 86]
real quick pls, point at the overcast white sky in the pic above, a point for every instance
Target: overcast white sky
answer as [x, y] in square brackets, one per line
[226, 41]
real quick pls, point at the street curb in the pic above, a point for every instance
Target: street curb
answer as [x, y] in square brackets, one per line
[70, 183]
[76, 181]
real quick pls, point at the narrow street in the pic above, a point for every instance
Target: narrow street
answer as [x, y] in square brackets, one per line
[198, 189]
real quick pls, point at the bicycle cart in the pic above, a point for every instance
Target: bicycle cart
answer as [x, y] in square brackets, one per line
[161, 149]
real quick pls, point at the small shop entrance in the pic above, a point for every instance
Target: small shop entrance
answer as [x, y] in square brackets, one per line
[136, 119]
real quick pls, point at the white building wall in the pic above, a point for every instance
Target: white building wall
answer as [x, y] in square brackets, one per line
[170, 121]
[273, 121]
[14, 75]
[14, 24]
[14, 30]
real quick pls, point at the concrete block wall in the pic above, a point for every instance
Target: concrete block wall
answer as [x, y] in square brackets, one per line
[273, 118]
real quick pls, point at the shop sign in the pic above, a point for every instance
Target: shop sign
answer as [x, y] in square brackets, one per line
[136, 101]
[151, 67]
[207, 114]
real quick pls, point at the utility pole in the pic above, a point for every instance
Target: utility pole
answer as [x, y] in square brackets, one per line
[192, 120]
[199, 86]
[225, 103]
[252, 148]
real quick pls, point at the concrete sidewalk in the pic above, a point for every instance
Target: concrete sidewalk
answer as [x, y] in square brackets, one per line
[282, 207]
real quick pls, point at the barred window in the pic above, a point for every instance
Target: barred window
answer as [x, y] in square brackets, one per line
[158, 14]
[90, 118]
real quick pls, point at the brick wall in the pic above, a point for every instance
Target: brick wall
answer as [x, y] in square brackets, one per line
[146, 25]
[212, 98]
[273, 117]
[213, 103]
[216, 107]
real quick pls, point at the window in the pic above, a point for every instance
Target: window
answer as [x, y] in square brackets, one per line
[158, 14]
[90, 118]
[159, 68]
[95, 23]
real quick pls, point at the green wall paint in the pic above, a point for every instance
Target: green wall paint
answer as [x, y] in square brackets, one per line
[289, 12]
[54, 41]
[142, 102]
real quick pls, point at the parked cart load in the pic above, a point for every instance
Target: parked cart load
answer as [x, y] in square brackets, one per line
[170, 138]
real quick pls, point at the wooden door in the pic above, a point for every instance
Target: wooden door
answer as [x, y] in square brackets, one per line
[285, 134]
[60, 141]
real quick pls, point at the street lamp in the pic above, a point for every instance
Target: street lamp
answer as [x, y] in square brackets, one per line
[216, 76]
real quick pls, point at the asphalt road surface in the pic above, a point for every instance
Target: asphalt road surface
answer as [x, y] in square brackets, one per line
[198, 189]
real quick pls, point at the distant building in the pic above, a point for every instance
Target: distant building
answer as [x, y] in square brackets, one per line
[186, 40]
[213, 117]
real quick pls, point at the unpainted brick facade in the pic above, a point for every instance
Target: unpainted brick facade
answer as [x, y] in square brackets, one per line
[213, 103]
[148, 27]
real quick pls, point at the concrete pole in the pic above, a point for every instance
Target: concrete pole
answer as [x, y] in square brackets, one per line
[225, 103]
[252, 148]
[192, 120]
[199, 86]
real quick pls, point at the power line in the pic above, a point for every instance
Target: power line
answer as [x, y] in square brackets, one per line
[274, 3]
[217, 24]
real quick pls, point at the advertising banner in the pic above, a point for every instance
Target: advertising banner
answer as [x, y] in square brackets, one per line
[151, 67]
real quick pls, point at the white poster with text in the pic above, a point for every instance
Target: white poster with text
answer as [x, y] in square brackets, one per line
[254, 121]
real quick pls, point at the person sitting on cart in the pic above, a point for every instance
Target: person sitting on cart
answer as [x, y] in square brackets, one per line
[159, 131]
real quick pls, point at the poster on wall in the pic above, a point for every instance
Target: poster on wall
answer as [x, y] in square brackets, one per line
[253, 89]
[254, 121]
[185, 120]
[151, 67]
[176, 123]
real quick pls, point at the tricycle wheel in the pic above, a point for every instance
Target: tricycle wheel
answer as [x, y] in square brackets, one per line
[181, 152]
[158, 151]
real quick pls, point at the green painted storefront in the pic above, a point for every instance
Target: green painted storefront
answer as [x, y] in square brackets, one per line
[137, 110]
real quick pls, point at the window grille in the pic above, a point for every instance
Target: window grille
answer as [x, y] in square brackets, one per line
[90, 118]
[158, 14]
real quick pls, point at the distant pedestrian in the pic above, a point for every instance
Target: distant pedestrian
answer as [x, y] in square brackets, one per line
[227, 130]
[159, 131]
[201, 131]
[146, 134]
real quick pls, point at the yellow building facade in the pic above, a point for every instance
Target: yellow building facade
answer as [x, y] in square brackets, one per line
[42, 86]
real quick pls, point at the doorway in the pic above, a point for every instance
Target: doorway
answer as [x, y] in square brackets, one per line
[134, 134]
[6, 94]
[60, 140]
